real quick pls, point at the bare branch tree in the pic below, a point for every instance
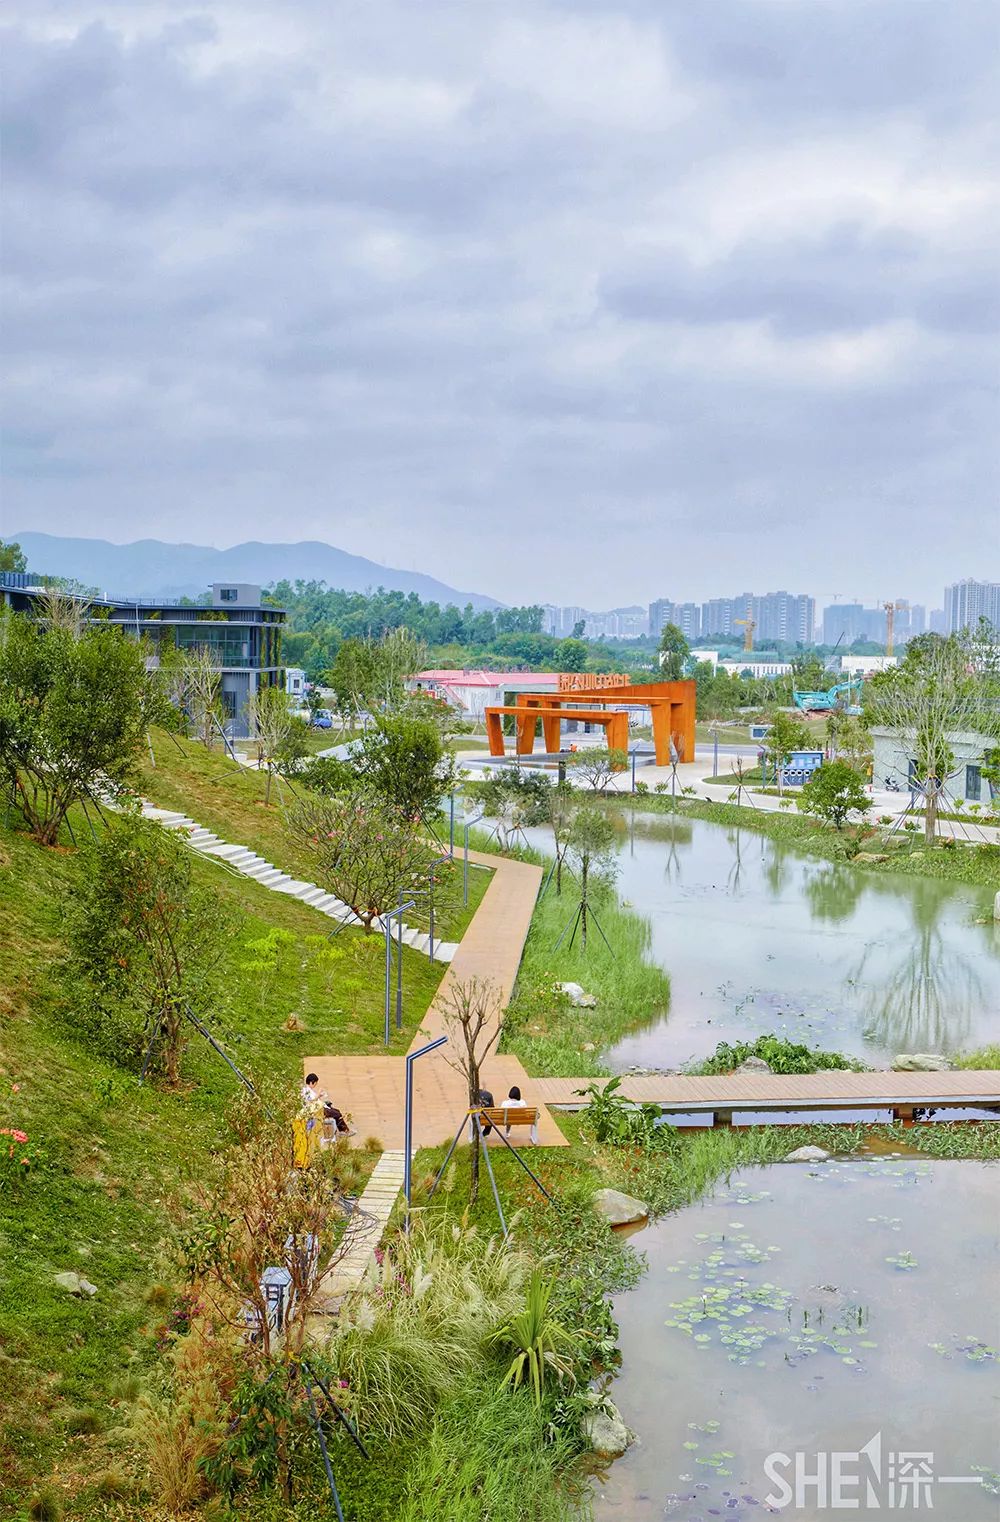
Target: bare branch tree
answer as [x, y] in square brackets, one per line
[271, 721]
[473, 1017]
[202, 682]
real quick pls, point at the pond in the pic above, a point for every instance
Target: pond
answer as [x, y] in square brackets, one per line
[874, 1331]
[757, 937]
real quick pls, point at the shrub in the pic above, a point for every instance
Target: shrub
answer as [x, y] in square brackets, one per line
[613, 1119]
[781, 1057]
[986, 1057]
[45, 1505]
[538, 1341]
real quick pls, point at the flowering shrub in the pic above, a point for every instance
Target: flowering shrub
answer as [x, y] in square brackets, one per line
[18, 1156]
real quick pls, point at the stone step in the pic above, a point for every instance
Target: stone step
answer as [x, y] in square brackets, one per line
[314, 896]
[223, 851]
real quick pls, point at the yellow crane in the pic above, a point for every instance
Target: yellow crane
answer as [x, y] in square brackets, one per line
[890, 609]
[748, 625]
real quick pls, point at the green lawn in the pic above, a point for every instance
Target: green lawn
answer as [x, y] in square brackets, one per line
[116, 1154]
[229, 800]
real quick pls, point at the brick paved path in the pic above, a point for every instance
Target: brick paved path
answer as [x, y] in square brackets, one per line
[371, 1088]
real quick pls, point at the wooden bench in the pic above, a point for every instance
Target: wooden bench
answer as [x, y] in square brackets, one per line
[503, 1117]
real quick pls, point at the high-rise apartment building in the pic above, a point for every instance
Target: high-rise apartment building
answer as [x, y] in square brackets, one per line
[786, 616]
[686, 615]
[966, 602]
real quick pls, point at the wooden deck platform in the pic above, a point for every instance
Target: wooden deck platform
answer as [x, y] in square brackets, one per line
[830, 1090]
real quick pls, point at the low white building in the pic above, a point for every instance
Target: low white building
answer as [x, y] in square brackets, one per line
[756, 669]
[866, 665]
[894, 757]
[295, 683]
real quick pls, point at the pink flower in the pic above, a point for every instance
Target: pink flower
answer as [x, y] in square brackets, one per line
[15, 1088]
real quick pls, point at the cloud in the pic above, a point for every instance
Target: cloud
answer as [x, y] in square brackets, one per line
[588, 302]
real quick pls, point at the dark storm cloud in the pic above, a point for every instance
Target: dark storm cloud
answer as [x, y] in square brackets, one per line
[446, 283]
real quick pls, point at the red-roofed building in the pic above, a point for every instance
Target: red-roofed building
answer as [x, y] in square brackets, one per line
[471, 692]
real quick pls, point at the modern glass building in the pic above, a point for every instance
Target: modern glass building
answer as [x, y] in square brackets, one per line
[241, 632]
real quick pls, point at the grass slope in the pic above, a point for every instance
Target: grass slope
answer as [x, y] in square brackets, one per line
[116, 1154]
[229, 800]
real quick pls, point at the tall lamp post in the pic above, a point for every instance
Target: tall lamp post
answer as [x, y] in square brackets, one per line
[468, 823]
[411, 1058]
[387, 918]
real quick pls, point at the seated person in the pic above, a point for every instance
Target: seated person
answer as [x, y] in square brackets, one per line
[515, 1102]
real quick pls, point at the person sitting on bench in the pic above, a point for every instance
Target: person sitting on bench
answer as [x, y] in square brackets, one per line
[312, 1094]
[515, 1102]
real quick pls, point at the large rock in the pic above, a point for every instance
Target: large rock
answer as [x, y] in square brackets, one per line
[619, 1209]
[576, 995]
[605, 1431]
[74, 1284]
[807, 1155]
[754, 1065]
[920, 1062]
[871, 856]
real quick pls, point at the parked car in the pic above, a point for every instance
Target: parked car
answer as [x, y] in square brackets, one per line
[322, 719]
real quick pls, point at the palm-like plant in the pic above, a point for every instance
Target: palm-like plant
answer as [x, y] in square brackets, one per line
[540, 1342]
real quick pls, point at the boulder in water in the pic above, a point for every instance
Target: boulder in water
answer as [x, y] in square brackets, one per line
[619, 1209]
[920, 1062]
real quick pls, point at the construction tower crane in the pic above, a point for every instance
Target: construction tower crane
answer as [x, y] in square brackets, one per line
[748, 625]
[891, 609]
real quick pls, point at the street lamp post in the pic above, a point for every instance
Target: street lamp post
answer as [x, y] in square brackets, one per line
[411, 1058]
[468, 823]
[387, 919]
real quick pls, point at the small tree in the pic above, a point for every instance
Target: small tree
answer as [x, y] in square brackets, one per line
[473, 1018]
[73, 713]
[834, 791]
[674, 651]
[272, 722]
[516, 800]
[785, 735]
[367, 853]
[12, 557]
[850, 741]
[145, 935]
[944, 687]
[248, 1213]
[402, 759]
[201, 686]
[560, 805]
[598, 766]
[591, 844]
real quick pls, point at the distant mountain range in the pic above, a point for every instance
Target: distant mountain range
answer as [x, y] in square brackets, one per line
[151, 568]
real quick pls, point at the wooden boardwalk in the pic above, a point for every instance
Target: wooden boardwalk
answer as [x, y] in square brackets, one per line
[829, 1090]
[371, 1087]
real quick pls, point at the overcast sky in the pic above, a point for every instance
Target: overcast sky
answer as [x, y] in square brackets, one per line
[558, 299]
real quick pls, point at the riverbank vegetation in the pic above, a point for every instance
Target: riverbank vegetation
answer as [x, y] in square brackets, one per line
[972, 863]
[550, 1034]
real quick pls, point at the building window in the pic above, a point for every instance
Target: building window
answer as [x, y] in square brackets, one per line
[973, 782]
[228, 594]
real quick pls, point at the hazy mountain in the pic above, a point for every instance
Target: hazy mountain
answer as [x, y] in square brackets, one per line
[151, 568]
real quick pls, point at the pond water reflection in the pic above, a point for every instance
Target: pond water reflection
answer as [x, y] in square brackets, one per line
[750, 1335]
[757, 937]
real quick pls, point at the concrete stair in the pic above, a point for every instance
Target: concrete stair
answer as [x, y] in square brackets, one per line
[250, 865]
[371, 1216]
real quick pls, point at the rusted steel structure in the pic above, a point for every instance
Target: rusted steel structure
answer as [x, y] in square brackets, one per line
[671, 706]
